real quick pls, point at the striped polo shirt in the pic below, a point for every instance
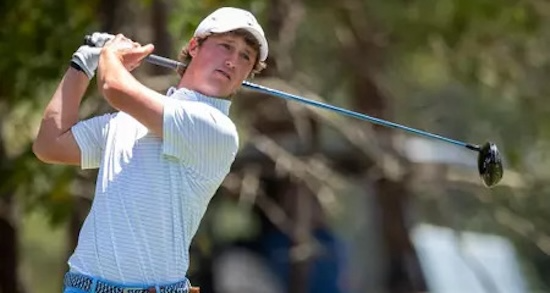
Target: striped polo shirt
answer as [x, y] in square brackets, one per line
[151, 193]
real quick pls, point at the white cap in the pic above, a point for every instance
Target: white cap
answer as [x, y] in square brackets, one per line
[228, 19]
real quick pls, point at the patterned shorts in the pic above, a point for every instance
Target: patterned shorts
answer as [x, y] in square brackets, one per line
[77, 283]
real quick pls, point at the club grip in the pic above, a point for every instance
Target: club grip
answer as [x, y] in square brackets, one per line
[153, 59]
[163, 61]
[88, 41]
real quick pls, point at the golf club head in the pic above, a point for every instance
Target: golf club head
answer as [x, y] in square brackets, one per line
[489, 163]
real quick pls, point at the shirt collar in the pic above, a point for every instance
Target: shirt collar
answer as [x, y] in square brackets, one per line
[190, 95]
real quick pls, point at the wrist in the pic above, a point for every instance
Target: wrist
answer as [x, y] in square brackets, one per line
[109, 55]
[78, 74]
[76, 67]
[85, 60]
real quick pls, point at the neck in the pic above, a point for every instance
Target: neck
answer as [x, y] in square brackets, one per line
[187, 82]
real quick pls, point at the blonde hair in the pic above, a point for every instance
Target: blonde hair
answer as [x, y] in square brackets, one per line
[186, 58]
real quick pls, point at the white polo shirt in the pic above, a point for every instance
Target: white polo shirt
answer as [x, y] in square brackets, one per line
[151, 193]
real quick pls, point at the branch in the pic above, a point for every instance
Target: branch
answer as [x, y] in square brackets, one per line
[251, 192]
[361, 136]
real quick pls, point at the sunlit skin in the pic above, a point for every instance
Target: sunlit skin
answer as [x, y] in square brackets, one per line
[219, 65]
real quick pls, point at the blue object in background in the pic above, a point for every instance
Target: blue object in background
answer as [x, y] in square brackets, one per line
[325, 269]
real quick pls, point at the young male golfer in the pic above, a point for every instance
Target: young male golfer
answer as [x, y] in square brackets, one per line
[160, 157]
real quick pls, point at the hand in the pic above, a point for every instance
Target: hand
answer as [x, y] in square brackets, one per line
[99, 39]
[130, 53]
[87, 57]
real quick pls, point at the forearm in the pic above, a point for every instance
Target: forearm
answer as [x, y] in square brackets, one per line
[125, 93]
[115, 82]
[60, 115]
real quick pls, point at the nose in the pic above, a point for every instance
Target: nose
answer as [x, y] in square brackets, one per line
[229, 63]
[231, 60]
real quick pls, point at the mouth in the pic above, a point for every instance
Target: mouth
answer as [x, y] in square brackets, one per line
[223, 73]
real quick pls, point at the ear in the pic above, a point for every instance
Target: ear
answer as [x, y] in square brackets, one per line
[193, 47]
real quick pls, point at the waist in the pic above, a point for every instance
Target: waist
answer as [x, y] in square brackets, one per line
[125, 249]
[92, 284]
[123, 269]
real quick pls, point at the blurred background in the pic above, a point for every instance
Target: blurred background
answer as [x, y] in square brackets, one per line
[315, 202]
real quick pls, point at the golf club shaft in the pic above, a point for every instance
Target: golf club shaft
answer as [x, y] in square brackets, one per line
[165, 62]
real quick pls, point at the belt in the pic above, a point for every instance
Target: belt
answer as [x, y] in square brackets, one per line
[86, 283]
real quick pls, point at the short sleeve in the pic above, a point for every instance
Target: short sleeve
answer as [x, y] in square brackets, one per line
[90, 135]
[199, 135]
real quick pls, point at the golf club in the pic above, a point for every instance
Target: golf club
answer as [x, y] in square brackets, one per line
[489, 161]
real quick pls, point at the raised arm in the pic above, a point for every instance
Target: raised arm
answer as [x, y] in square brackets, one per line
[123, 91]
[55, 142]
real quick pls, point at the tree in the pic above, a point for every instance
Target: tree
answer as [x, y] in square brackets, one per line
[473, 70]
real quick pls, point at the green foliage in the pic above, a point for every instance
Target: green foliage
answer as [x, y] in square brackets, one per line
[43, 253]
[37, 41]
[471, 69]
[474, 70]
[187, 14]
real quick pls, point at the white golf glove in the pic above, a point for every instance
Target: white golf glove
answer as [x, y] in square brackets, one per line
[87, 57]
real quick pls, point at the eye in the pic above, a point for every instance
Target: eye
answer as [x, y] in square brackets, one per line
[245, 56]
[225, 46]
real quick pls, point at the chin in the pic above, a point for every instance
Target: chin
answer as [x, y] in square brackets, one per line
[216, 92]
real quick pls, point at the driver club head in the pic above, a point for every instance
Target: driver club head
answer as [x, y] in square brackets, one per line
[489, 163]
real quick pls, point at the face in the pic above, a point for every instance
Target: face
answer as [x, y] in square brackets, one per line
[220, 64]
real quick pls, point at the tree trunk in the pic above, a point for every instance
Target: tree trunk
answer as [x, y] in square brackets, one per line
[301, 209]
[161, 35]
[403, 272]
[8, 247]
[284, 18]
[9, 277]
